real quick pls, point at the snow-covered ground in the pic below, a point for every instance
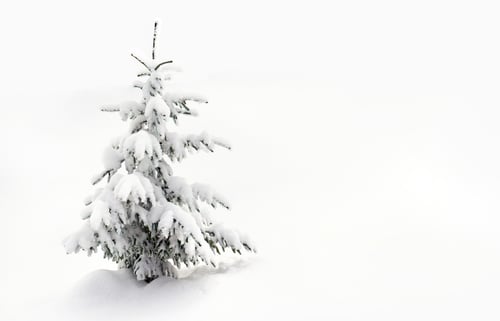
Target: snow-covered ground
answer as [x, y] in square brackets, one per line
[365, 160]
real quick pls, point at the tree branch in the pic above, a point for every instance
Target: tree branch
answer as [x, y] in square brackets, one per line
[110, 109]
[142, 62]
[161, 64]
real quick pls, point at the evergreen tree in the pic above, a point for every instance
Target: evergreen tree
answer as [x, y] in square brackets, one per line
[143, 217]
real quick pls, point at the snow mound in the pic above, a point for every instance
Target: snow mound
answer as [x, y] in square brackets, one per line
[117, 295]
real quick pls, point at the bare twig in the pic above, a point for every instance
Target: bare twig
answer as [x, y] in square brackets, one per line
[110, 109]
[161, 64]
[142, 62]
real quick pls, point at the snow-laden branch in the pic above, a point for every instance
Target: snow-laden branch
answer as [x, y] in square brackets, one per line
[187, 242]
[172, 104]
[135, 188]
[224, 237]
[142, 144]
[178, 190]
[82, 239]
[176, 146]
[208, 195]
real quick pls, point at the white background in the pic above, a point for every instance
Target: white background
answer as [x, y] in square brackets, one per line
[365, 161]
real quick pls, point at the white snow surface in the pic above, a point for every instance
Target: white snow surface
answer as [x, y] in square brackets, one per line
[364, 164]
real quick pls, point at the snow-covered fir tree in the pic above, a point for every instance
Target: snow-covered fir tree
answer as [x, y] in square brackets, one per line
[143, 217]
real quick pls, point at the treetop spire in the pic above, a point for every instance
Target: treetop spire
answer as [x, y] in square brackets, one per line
[155, 32]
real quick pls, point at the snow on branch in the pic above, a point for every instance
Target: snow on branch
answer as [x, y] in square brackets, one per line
[183, 97]
[142, 144]
[100, 214]
[181, 192]
[135, 188]
[127, 109]
[187, 242]
[207, 194]
[178, 103]
[229, 238]
[83, 239]
[177, 146]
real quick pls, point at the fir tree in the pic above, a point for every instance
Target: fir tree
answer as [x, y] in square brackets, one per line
[144, 218]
